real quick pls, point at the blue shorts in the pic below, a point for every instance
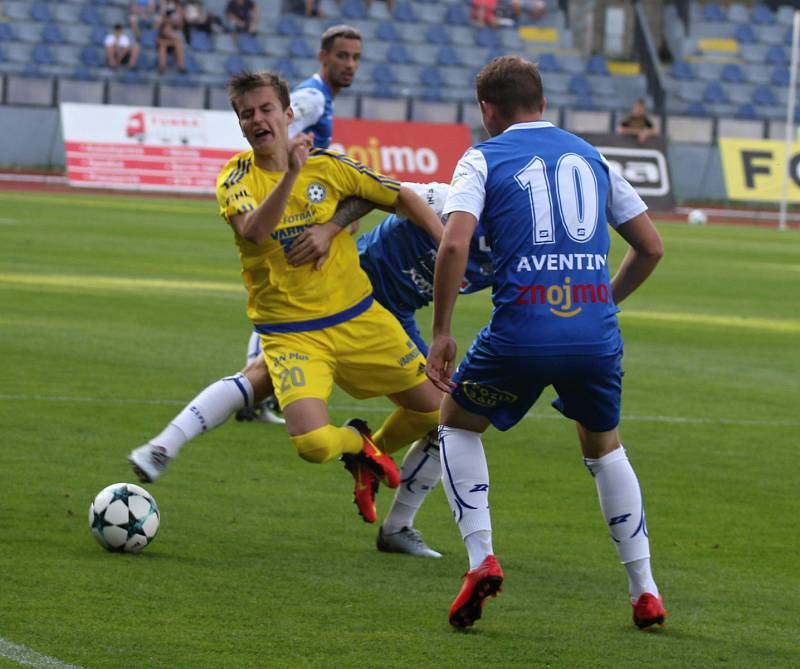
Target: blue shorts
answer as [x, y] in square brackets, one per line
[409, 324]
[503, 388]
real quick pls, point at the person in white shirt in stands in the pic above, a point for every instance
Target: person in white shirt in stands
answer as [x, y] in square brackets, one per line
[120, 50]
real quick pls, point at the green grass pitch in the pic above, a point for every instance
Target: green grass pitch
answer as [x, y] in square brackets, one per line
[115, 311]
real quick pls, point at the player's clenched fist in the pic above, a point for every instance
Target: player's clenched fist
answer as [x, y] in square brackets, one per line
[299, 147]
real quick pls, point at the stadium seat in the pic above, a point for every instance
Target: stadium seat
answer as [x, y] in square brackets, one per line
[40, 11]
[776, 55]
[7, 33]
[51, 34]
[299, 48]
[696, 109]
[90, 15]
[148, 39]
[738, 13]
[448, 55]
[437, 34]
[579, 85]
[431, 77]
[41, 54]
[747, 111]
[596, 65]
[91, 56]
[404, 12]
[129, 76]
[387, 32]
[83, 73]
[548, 62]
[780, 76]
[98, 35]
[249, 45]
[732, 73]
[744, 34]
[286, 68]
[682, 70]
[383, 89]
[763, 96]
[712, 12]
[382, 73]
[456, 15]
[762, 15]
[397, 53]
[714, 93]
[354, 9]
[487, 37]
[200, 41]
[235, 64]
[289, 27]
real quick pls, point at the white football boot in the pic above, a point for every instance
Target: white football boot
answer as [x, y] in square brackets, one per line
[149, 462]
[408, 540]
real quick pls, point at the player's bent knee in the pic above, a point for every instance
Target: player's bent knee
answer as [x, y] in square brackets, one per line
[315, 446]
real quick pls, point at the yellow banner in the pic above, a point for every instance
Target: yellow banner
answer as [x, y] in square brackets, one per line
[754, 169]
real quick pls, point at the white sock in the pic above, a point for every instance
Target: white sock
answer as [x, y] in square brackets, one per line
[623, 508]
[479, 547]
[466, 483]
[419, 474]
[211, 408]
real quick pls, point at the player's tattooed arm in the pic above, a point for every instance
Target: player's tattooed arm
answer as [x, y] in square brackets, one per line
[351, 209]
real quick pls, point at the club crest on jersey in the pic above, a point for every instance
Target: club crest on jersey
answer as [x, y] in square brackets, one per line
[316, 192]
[486, 396]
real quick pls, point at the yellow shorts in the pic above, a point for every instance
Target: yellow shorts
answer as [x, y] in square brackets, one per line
[367, 356]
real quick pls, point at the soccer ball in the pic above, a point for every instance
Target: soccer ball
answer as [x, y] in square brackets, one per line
[124, 518]
[697, 217]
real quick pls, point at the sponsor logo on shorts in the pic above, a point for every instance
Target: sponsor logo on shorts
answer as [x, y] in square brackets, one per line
[486, 396]
[283, 358]
[413, 353]
[421, 371]
[564, 300]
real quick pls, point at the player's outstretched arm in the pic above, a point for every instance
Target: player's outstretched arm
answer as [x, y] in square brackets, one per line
[451, 263]
[255, 226]
[420, 214]
[646, 250]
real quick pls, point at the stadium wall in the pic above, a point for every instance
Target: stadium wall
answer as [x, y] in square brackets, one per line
[32, 140]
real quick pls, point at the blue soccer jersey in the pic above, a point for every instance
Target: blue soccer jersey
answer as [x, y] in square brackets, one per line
[551, 290]
[312, 103]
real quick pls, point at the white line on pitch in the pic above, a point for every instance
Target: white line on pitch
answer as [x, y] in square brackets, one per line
[28, 657]
[361, 408]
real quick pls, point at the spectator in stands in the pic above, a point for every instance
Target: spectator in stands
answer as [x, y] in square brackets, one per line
[307, 7]
[169, 40]
[637, 123]
[484, 13]
[197, 17]
[389, 4]
[142, 14]
[172, 11]
[120, 50]
[242, 16]
[517, 12]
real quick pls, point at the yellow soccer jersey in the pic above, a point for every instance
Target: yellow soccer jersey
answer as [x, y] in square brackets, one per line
[283, 298]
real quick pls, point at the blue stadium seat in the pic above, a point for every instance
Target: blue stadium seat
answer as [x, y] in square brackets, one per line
[487, 37]
[732, 73]
[90, 15]
[148, 39]
[249, 45]
[787, 37]
[91, 56]
[747, 112]
[404, 12]
[597, 65]
[548, 62]
[33, 71]
[184, 79]
[456, 15]
[696, 109]
[299, 48]
[83, 73]
[714, 93]
[780, 76]
[437, 34]
[744, 34]
[98, 35]
[387, 32]
[42, 55]
[776, 55]
[40, 11]
[193, 65]
[712, 12]
[764, 96]
[382, 73]
[354, 9]
[201, 41]
[682, 70]
[762, 15]
[235, 64]
[7, 32]
[580, 85]
[448, 55]
[397, 53]
[51, 34]
[286, 68]
[384, 90]
[129, 76]
[431, 77]
[289, 27]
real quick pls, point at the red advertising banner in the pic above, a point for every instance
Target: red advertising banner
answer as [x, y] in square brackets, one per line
[420, 152]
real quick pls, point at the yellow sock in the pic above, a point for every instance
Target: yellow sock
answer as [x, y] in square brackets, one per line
[327, 443]
[403, 427]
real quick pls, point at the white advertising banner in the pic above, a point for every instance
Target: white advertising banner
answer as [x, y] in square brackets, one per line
[147, 148]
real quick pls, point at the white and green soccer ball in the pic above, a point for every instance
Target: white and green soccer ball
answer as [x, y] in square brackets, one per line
[124, 518]
[697, 217]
